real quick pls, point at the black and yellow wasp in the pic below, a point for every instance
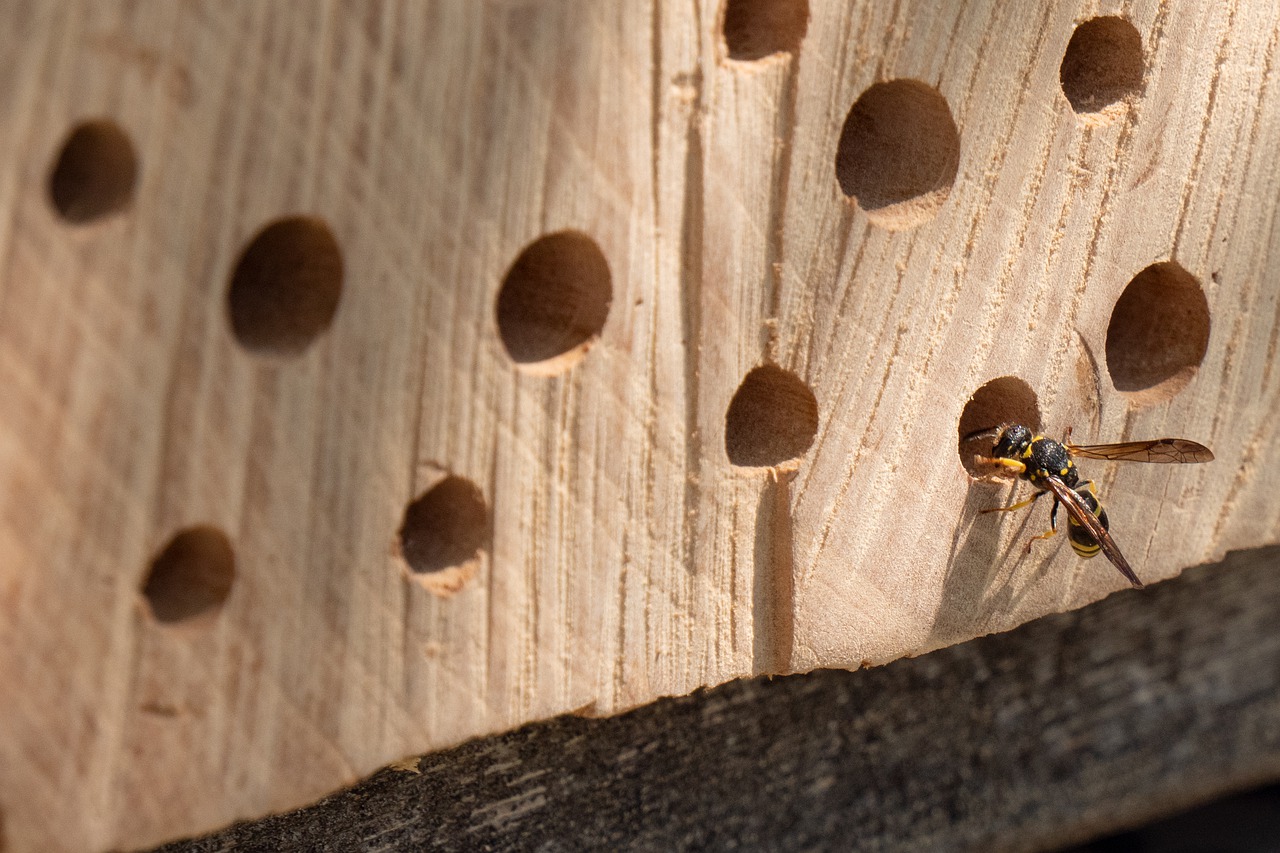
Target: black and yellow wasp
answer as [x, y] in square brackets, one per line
[1047, 465]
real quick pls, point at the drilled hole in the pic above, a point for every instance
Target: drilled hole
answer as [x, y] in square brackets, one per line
[443, 533]
[189, 582]
[95, 172]
[898, 153]
[1159, 333]
[1006, 400]
[1102, 64]
[285, 288]
[771, 420]
[754, 29]
[554, 301]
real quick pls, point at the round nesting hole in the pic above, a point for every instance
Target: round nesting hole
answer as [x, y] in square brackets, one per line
[1159, 333]
[898, 153]
[754, 29]
[771, 419]
[443, 532]
[1102, 65]
[554, 301]
[190, 579]
[285, 288]
[94, 174]
[1005, 400]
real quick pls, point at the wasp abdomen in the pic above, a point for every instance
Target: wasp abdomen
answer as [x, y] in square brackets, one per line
[1082, 541]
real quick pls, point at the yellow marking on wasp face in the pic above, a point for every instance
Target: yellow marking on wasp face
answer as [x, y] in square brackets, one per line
[1063, 472]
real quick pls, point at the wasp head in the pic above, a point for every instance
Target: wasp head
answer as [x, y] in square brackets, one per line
[1012, 442]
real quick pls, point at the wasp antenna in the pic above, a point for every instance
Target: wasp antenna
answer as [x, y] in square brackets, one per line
[979, 433]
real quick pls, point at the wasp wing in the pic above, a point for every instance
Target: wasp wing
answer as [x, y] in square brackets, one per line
[1082, 515]
[1156, 450]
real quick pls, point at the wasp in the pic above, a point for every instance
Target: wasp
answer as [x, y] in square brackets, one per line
[1048, 465]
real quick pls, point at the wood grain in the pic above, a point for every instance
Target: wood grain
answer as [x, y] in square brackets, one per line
[618, 554]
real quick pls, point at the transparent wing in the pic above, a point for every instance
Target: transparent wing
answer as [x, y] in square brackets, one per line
[1080, 513]
[1156, 450]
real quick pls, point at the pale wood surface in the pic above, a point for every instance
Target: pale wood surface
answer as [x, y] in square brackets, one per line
[627, 557]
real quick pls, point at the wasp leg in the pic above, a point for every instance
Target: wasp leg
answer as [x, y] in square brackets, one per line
[1013, 465]
[1053, 525]
[1019, 505]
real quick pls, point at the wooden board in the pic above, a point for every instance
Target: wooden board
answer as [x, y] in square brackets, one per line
[380, 375]
[1073, 726]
